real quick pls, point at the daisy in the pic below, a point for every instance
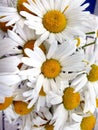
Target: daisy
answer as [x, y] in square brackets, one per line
[60, 19]
[88, 81]
[8, 84]
[41, 120]
[53, 66]
[18, 108]
[17, 41]
[66, 100]
[84, 122]
[10, 14]
[18, 112]
[39, 99]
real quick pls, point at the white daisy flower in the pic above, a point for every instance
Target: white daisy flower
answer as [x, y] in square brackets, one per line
[84, 122]
[53, 67]
[39, 99]
[34, 119]
[67, 100]
[10, 12]
[42, 120]
[88, 81]
[17, 41]
[8, 84]
[26, 92]
[18, 112]
[42, 117]
[61, 19]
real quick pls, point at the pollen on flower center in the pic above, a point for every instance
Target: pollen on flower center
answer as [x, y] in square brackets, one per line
[51, 68]
[30, 45]
[93, 74]
[49, 127]
[71, 100]
[21, 107]
[7, 102]
[88, 123]
[54, 21]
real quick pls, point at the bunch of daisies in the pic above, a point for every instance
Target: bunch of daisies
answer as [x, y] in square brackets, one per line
[48, 64]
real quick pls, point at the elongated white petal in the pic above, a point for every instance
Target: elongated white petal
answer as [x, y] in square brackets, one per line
[28, 72]
[9, 64]
[52, 49]
[31, 62]
[9, 79]
[76, 117]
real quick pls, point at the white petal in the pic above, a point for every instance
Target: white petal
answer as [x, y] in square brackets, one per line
[60, 114]
[76, 117]
[46, 85]
[54, 98]
[5, 91]
[15, 37]
[28, 72]
[31, 62]
[39, 84]
[78, 79]
[7, 46]
[7, 9]
[42, 38]
[37, 54]
[9, 64]
[52, 49]
[10, 79]
[80, 85]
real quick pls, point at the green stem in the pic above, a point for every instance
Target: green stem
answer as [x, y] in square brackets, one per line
[88, 44]
[90, 33]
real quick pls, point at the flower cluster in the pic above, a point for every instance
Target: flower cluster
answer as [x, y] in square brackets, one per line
[48, 64]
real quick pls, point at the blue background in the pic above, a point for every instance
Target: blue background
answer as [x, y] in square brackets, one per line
[91, 6]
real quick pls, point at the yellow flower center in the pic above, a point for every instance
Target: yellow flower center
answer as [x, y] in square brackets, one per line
[21, 107]
[71, 100]
[49, 127]
[30, 45]
[54, 21]
[7, 102]
[42, 93]
[93, 74]
[21, 7]
[88, 123]
[51, 68]
[97, 102]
